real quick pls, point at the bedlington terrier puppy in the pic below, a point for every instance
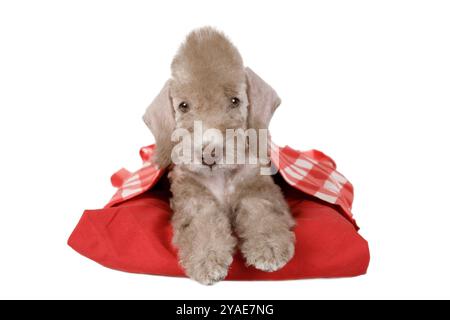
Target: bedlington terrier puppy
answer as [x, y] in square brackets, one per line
[219, 205]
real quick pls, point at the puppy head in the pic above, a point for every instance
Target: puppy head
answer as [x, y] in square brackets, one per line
[209, 85]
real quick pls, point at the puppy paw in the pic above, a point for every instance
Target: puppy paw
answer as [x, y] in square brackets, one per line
[269, 253]
[210, 269]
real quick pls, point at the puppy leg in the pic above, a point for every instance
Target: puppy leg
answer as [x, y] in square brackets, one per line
[202, 232]
[263, 223]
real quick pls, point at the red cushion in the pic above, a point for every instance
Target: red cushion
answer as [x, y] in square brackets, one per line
[135, 236]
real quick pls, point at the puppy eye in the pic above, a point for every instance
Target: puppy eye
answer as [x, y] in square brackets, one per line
[235, 102]
[183, 107]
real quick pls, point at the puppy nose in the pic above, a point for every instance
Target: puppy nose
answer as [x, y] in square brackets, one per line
[208, 164]
[208, 159]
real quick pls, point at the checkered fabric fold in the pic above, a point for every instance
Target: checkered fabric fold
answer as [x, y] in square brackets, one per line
[311, 172]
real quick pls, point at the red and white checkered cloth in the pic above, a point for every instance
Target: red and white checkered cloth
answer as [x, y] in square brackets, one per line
[311, 172]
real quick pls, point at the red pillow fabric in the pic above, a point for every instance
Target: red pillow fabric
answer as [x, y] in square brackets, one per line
[135, 236]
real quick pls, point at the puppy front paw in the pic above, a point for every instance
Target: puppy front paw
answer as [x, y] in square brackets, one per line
[212, 268]
[269, 252]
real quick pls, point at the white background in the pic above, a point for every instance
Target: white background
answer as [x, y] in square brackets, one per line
[367, 82]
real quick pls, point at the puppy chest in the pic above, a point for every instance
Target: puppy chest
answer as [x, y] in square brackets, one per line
[219, 184]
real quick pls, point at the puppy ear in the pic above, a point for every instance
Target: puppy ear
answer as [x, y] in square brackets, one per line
[159, 117]
[263, 101]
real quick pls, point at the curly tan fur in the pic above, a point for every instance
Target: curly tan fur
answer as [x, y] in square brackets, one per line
[216, 209]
